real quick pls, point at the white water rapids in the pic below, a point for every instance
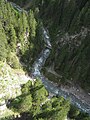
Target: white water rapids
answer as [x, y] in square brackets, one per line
[51, 87]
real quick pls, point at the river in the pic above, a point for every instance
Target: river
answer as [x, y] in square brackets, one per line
[51, 87]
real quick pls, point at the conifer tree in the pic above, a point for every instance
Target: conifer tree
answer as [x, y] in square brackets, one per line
[32, 24]
[24, 21]
[3, 43]
[12, 38]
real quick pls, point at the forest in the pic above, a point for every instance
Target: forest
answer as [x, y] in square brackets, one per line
[21, 41]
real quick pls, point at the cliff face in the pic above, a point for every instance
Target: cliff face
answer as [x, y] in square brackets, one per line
[10, 86]
[69, 24]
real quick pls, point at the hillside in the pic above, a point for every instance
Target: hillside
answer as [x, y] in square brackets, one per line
[68, 23]
[44, 60]
[20, 33]
[69, 26]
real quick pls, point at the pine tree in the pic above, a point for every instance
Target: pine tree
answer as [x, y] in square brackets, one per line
[24, 21]
[32, 24]
[3, 43]
[12, 38]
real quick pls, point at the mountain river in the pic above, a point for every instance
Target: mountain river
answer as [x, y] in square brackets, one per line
[50, 86]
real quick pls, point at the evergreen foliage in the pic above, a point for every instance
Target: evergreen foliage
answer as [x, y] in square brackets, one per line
[68, 22]
[3, 43]
[26, 88]
[32, 102]
[21, 35]
[18, 33]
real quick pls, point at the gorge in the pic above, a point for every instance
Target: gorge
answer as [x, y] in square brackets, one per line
[49, 41]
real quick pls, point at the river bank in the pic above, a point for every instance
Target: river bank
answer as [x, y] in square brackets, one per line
[69, 87]
[51, 86]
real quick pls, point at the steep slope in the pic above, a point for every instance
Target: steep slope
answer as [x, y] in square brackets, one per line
[33, 103]
[10, 86]
[19, 32]
[69, 26]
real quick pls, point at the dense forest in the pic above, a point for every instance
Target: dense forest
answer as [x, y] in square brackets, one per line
[21, 41]
[19, 33]
[34, 104]
[69, 26]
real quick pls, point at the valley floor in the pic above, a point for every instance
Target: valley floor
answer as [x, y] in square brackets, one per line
[74, 89]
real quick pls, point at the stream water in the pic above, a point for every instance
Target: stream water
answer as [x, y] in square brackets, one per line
[51, 87]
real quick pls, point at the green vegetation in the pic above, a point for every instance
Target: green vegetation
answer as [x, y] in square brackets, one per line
[21, 40]
[75, 114]
[10, 81]
[18, 35]
[51, 76]
[34, 102]
[3, 43]
[69, 26]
